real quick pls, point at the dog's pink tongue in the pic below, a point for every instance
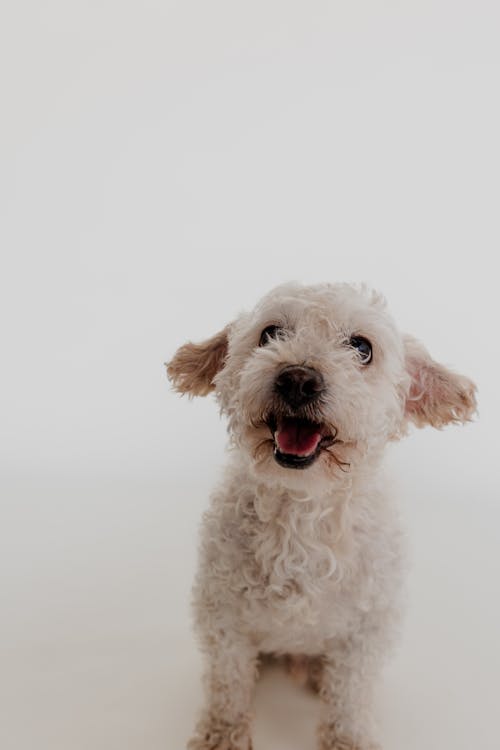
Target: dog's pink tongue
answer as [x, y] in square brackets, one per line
[297, 437]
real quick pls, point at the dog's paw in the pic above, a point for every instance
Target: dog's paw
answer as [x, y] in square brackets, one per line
[219, 735]
[203, 743]
[331, 739]
[210, 742]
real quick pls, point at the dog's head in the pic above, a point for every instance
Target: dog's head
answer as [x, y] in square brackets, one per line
[319, 378]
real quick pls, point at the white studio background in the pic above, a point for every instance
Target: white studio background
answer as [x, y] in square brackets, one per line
[162, 165]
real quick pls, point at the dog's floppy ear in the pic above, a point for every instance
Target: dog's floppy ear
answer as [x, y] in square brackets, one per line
[437, 395]
[194, 366]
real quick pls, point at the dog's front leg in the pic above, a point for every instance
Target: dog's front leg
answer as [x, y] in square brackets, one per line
[228, 680]
[350, 670]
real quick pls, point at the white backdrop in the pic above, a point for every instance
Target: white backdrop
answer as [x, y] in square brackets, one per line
[162, 165]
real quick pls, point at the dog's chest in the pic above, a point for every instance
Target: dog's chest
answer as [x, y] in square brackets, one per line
[294, 551]
[295, 569]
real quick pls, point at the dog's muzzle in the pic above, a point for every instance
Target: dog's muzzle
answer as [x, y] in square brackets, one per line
[298, 440]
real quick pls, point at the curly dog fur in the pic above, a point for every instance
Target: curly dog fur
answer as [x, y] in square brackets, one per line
[301, 552]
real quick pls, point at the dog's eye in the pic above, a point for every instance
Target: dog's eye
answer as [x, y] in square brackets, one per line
[270, 333]
[363, 347]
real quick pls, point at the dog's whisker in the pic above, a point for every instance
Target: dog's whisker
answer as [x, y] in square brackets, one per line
[344, 466]
[261, 448]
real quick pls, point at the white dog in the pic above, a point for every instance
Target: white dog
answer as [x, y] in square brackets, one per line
[300, 549]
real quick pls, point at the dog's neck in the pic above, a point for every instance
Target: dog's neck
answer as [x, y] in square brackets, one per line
[299, 488]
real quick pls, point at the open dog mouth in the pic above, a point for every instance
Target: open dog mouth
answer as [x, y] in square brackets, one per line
[298, 442]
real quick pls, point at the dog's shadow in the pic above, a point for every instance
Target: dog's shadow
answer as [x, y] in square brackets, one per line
[286, 715]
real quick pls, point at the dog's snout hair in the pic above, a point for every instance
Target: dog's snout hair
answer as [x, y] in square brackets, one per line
[299, 385]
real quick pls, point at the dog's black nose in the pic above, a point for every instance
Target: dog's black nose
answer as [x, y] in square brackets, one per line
[299, 385]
